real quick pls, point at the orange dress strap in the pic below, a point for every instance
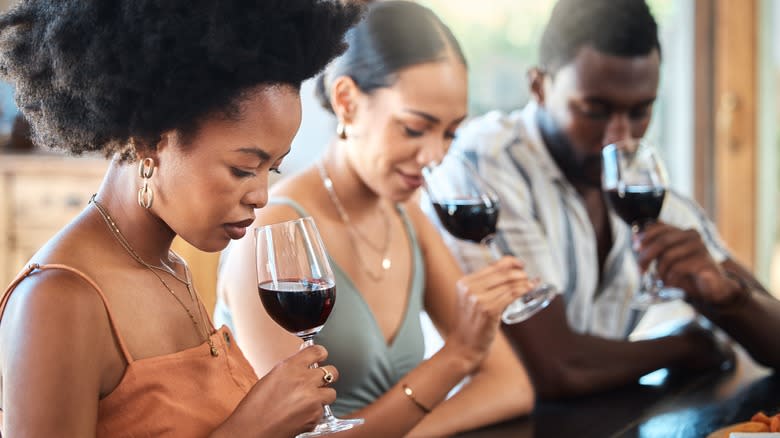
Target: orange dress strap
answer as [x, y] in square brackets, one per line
[34, 266]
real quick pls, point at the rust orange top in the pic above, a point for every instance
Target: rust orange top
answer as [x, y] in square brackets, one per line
[183, 394]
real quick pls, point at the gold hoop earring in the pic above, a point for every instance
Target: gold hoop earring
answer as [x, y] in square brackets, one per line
[341, 130]
[145, 193]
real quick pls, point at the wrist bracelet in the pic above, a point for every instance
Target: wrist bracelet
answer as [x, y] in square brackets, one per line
[409, 393]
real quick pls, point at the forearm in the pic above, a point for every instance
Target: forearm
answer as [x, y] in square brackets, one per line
[500, 390]
[752, 324]
[480, 402]
[394, 413]
[230, 429]
[602, 364]
[563, 363]
[587, 364]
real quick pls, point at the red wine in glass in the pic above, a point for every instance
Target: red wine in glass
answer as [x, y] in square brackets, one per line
[301, 307]
[637, 205]
[468, 219]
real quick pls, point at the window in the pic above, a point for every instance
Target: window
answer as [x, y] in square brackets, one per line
[501, 44]
[769, 154]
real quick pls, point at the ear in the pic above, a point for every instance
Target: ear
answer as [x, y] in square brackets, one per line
[167, 140]
[536, 84]
[343, 98]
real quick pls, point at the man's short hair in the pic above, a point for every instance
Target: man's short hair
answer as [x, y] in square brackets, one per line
[615, 27]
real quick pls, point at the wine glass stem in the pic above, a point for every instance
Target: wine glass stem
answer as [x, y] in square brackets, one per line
[308, 341]
[648, 281]
[492, 244]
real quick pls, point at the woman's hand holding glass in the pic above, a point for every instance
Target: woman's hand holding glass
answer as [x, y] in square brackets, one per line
[482, 298]
[468, 209]
[290, 397]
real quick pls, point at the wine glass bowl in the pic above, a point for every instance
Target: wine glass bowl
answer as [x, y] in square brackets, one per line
[300, 306]
[635, 182]
[468, 209]
[465, 205]
[298, 290]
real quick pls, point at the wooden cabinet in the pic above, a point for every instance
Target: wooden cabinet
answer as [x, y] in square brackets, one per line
[39, 194]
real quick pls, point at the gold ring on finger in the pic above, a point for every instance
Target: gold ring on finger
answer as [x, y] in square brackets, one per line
[328, 376]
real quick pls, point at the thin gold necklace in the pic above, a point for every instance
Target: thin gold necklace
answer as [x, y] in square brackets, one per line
[126, 245]
[353, 233]
[153, 269]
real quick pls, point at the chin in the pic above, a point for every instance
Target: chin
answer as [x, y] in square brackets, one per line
[399, 196]
[213, 244]
[216, 245]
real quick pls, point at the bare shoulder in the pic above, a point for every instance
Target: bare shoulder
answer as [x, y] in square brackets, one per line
[58, 301]
[55, 346]
[50, 296]
[55, 310]
[84, 244]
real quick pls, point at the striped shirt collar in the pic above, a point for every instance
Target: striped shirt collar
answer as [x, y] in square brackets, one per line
[529, 129]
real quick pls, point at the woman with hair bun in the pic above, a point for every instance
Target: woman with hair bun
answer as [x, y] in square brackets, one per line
[195, 102]
[399, 93]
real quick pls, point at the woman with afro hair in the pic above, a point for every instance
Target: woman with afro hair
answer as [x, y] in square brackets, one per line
[195, 102]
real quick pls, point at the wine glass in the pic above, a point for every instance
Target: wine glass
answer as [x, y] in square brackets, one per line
[468, 209]
[298, 290]
[634, 181]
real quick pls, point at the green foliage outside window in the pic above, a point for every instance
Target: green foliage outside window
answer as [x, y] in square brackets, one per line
[500, 42]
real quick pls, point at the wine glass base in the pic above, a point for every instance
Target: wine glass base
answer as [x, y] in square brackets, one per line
[527, 305]
[332, 425]
[643, 300]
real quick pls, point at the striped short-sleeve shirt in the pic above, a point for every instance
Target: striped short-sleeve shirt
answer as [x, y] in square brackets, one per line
[543, 221]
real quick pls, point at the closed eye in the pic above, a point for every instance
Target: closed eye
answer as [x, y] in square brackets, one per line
[640, 113]
[596, 113]
[238, 173]
[412, 133]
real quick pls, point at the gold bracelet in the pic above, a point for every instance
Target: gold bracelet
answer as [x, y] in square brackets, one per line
[409, 393]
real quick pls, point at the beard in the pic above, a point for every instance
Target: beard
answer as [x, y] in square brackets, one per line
[578, 168]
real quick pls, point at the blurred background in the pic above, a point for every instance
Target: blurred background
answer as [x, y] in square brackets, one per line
[717, 123]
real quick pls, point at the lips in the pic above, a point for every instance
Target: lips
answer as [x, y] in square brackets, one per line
[412, 181]
[237, 230]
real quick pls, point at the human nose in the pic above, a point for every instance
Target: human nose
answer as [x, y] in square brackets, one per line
[257, 197]
[618, 128]
[432, 153]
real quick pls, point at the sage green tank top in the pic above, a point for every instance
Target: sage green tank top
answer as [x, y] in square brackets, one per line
[368, 366]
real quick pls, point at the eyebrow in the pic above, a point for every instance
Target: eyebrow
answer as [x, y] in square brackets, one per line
[430, 118]
[259, 153]
[601, 101]
[425, 116]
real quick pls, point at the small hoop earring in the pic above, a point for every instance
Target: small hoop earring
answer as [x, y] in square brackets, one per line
[145, 193]
[341, 130]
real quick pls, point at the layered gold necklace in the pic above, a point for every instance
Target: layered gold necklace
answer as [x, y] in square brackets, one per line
[187, 281]
[354, 233]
